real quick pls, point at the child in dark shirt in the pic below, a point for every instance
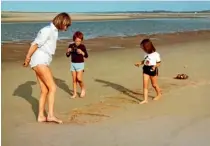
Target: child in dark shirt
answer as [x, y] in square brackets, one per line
[78, 52]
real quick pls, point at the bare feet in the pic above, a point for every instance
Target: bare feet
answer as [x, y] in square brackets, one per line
[42, 119]
[54, 119]
[157, 97]
[74, 96]
[144, 102]
[82, 93]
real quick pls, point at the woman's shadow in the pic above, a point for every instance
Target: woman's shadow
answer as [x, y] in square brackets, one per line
[25, 91]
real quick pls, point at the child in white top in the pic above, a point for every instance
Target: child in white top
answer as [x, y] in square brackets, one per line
[151, 63]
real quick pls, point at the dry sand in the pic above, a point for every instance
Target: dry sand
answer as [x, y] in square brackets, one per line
[31, 17]
[110, 115]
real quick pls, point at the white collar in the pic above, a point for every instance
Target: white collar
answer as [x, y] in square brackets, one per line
[53, 26]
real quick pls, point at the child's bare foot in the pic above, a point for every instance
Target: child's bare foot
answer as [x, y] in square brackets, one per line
[54, 119]
[42, 119]
[82, 93]
[73, 96]
[143, 102]
[157, 97]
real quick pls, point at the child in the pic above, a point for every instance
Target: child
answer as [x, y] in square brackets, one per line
[39, 57]
[78, 52]
[151, 63]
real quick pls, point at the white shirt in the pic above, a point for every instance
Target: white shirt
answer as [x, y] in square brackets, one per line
[46, 39]
[151, 59]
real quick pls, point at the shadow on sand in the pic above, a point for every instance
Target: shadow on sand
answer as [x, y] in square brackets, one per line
[25, 91]
[120, 88]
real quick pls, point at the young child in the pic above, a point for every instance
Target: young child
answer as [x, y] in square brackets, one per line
[78, 52]
[39, 57]
[151, 63]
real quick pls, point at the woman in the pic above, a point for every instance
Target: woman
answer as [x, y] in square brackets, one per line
[39, 57]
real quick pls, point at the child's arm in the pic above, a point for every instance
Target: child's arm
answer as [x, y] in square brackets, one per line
[69, 49]
[139, 63]
[68, 52]
[83, 51]
[158, 61]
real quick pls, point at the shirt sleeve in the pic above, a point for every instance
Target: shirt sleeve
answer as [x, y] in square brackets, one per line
[85, 51]
[71, 45]
[41, 37]
[158, 59]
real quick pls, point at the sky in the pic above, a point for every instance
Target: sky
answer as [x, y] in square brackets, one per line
[103, 6]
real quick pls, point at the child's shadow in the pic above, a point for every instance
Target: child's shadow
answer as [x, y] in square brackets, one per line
[62, 85]
[25, 91]
[120, 88]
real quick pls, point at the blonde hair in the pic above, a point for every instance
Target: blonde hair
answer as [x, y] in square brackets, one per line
[61, 20]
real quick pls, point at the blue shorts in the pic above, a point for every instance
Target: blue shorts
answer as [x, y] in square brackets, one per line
[77, 67]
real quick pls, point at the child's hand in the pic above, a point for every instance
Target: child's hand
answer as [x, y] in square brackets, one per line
[79, 51]
[69, 50]
[137, 64]
[153, 68]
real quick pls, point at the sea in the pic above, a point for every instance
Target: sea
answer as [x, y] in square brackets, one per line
[15, 32]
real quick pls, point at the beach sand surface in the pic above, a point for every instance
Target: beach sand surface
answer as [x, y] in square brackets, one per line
[110, 114]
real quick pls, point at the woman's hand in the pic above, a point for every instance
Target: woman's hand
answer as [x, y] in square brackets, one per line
[26, 62]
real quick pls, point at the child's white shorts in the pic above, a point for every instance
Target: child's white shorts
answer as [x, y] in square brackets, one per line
[40, 57]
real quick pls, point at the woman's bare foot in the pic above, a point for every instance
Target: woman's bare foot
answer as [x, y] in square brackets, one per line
[74, 96]
[143, 102]
[157, 97]
[42, 119]
[54, 119]
[82, 93]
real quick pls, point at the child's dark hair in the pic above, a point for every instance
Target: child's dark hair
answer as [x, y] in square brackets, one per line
[147, 46]
[78, 34]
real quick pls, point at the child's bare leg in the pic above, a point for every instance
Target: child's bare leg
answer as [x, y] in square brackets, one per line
[145, 88]
[42, 100]
[156, 87]
[46, 76]
[74, 78]
[81, 83]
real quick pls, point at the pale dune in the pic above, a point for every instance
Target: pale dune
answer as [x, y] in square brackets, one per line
[29, 17]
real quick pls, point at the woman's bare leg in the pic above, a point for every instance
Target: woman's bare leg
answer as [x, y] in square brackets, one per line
[81, 83]
[156, 87]
[46, 76]
[74, 79]
[145, 88]
[42, 100]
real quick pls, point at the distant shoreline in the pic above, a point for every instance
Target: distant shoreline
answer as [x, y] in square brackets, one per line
[15, 17]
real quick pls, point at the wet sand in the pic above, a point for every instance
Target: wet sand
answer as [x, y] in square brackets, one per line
[110, 113]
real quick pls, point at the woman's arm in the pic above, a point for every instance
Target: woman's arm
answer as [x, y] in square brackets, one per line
[40, 40]
[31, 51]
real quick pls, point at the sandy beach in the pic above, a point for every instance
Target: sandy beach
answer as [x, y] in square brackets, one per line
[110, 114]
[33, 17]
